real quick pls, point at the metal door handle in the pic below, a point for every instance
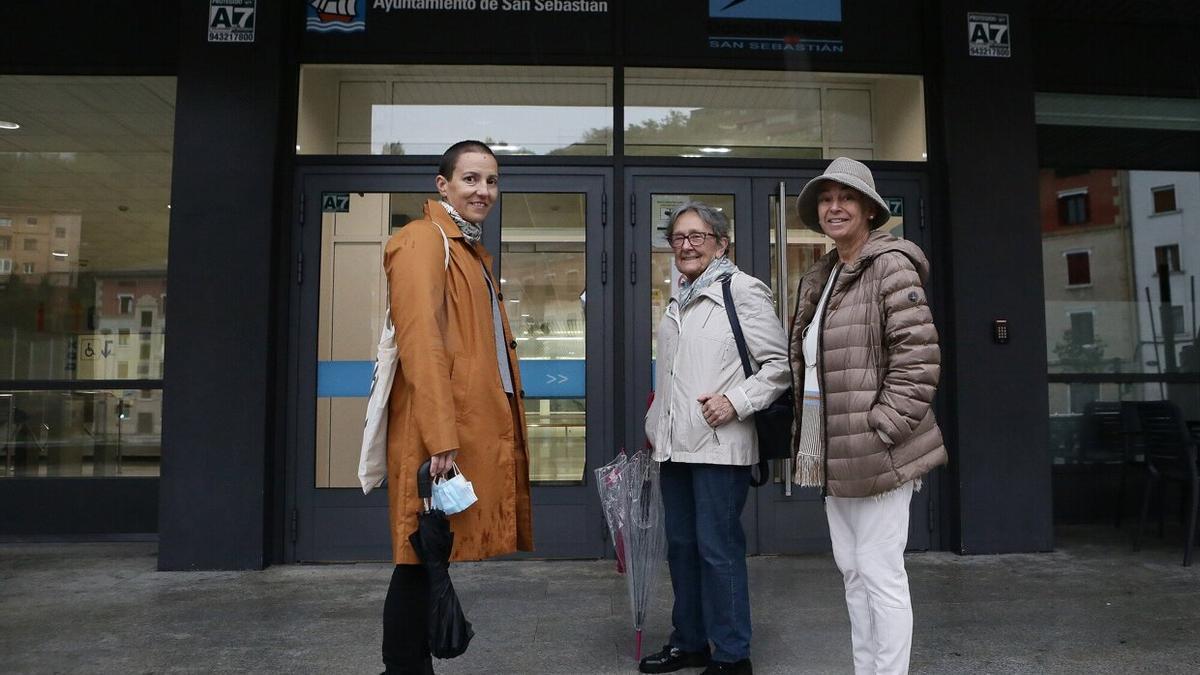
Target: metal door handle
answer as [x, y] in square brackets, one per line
[781, 257]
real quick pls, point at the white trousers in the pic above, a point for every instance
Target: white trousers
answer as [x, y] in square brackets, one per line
[869, 536]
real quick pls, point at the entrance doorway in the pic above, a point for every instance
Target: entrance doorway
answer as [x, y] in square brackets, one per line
[779, 518]
[556, 258]
[549, 241]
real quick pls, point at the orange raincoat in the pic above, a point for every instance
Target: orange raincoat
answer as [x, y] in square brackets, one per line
[447, 392]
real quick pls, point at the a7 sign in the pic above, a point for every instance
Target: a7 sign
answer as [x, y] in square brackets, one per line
[987, 35]
[231, 20]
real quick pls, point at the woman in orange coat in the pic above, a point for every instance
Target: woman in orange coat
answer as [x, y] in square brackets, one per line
[456, 395]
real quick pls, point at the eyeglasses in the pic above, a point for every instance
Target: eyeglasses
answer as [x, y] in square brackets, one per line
[697, 239]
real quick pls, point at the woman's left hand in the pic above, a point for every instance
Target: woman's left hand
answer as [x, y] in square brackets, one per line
[716, 409]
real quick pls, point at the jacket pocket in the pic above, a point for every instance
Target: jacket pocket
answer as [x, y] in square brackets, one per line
[461, 372]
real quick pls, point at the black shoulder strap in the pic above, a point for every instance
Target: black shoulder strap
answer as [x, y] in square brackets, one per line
[736, 325]
[764, 468]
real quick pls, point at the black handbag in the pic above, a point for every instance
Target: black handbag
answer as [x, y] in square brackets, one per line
[773, 423]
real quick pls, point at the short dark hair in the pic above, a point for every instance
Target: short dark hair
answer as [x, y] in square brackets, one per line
[450, 158]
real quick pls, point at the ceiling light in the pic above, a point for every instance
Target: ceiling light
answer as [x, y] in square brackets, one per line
[9, 125]
[505, 147]
[719, 151]
[59, 254]
[690, 155]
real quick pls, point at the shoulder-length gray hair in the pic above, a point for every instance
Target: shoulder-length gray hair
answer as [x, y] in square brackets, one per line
[713, 217]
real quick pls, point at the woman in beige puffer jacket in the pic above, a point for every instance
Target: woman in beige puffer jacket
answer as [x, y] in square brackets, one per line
[864, 352]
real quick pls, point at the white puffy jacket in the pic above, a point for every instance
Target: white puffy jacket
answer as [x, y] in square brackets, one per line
[697, 355]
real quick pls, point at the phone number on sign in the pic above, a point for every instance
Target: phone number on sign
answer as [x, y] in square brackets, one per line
[230, 37]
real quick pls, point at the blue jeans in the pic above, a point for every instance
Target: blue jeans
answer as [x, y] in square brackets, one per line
[706, 551]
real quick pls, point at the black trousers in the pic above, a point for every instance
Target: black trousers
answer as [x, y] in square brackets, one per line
[406, 623]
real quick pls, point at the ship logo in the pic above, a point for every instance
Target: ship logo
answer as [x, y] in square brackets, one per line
[336, 16]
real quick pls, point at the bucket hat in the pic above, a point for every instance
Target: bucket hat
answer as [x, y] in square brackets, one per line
[851, 173]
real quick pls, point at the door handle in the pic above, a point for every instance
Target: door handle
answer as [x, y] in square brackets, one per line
[781, 258]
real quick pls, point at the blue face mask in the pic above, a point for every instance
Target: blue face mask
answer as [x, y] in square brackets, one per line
[452, 495]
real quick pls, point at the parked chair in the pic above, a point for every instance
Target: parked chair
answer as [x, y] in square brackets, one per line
[1170, 450]
[1110, 436]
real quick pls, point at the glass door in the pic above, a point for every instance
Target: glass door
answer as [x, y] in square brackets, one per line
[543, 232]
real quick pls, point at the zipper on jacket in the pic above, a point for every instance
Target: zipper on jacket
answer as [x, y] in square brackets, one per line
[821, 381]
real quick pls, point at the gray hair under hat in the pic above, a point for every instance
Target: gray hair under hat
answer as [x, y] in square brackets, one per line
[850, 173]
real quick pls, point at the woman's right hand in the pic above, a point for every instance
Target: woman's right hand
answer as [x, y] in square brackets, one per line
[441, 463]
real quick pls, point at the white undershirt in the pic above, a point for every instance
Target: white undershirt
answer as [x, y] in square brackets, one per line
[812, 333]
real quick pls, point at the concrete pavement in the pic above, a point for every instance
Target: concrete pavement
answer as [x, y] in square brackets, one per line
[1092, 606]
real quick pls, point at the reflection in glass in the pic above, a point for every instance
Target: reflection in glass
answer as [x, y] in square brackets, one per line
[511, 129]
[422, 109]
[543, 277]
[1120, 288]
[80, 433]
[662, 258]
[771, 114]
[84, 216]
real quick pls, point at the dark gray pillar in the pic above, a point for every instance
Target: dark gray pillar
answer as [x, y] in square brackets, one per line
[999, 394]
[216, 403]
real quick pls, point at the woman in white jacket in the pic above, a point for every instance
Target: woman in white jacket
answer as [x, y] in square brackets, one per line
[701, 426]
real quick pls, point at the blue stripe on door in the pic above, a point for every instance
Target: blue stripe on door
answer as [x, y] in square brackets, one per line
[557, 378]
[541, 378]
[344, 378]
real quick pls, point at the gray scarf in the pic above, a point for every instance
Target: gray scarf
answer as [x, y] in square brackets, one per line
[690, 290]
[471, 231]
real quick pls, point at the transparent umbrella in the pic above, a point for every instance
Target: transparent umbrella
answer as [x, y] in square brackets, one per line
[608, 483]
[643, 535]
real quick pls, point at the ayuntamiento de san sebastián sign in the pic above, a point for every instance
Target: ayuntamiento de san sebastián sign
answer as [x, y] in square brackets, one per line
[459, 26]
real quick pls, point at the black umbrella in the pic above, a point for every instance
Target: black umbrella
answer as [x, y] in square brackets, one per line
[449, 630]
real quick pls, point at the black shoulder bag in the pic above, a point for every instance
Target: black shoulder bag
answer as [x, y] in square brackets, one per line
[773, 423]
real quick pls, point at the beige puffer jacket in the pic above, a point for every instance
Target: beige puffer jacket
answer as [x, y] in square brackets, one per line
[879, 370]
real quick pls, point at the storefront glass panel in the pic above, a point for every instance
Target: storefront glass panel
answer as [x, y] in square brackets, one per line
[769, 114]
[422, 109]
[543, 276]
[85, 183]
[1119, 254]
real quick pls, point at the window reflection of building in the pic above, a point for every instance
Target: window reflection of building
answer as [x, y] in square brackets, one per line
[1091, 317]
[1166, 242]
[48, 250]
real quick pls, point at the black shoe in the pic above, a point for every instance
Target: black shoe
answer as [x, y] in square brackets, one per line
[742, 667]
[671, 659]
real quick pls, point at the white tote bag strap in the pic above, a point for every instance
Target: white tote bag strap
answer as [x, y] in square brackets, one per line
[388, 336]
[372, 461]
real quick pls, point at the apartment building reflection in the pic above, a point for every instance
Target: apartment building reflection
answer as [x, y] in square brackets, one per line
[66, 322]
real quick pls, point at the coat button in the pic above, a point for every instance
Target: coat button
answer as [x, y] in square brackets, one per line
[512, 345]
[522, 393]
[500, 297]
